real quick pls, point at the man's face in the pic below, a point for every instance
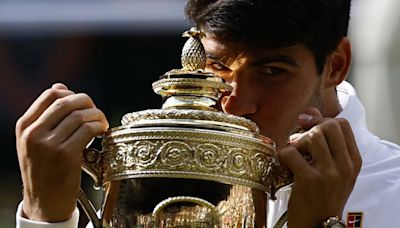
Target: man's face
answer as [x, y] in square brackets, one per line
[270, 87]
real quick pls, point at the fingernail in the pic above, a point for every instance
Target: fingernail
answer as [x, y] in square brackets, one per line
[305, 117]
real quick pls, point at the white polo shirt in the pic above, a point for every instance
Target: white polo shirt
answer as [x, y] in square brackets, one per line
[375, 200]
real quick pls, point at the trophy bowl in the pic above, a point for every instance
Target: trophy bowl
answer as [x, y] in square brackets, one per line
[187, 164]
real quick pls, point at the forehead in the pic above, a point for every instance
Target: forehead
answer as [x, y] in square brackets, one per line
[219, 50]
[228, 53]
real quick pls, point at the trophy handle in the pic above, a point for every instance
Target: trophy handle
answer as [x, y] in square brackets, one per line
[89, 209]
[282, 220]
[91, 165]
[178, 199]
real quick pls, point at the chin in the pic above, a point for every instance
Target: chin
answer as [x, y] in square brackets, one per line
[280, 138]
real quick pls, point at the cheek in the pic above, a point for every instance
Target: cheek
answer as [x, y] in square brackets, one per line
[279, 106]
[277, 100]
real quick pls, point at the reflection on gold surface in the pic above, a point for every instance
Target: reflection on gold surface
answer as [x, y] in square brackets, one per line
[237, 209]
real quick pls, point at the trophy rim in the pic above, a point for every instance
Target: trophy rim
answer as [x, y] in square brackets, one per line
[204, 116]
[220, 155]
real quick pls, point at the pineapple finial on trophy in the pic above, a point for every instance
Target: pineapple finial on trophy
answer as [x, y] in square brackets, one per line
[191, 87]
[193, 55]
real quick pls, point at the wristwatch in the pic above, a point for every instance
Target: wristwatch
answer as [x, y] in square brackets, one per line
[334, 222]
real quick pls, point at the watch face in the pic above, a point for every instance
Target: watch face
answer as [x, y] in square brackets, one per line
[337, 225]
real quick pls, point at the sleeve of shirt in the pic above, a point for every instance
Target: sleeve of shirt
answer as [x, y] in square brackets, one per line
[22, 222]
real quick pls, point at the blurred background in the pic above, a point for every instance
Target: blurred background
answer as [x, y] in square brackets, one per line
[114, 50]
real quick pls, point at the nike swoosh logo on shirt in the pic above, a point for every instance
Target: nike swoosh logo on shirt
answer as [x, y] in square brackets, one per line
[351, 222]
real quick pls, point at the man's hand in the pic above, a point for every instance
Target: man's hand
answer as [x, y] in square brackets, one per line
[51, 136]
[325, 162]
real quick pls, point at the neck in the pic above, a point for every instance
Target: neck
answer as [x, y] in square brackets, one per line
[331, 106]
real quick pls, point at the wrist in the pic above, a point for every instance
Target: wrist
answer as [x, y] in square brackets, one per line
[334, 222]
[42, 213]
[24, 222]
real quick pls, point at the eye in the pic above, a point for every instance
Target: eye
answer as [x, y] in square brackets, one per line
[216, 66]
[272, 71]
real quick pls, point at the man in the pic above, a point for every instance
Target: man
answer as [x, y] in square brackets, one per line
[286, 61]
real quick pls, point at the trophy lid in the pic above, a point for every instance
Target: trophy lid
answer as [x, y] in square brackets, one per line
[190, 95]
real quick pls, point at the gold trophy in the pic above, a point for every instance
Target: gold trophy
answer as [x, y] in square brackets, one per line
[187, 164]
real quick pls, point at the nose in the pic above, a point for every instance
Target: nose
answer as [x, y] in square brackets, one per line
[239, 102]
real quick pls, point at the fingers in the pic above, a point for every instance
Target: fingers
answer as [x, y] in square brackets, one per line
[331, 144]
[337, 143]
[62, 107]
[334, 159]
[309, 118]
[319, 148]
[40, 105]
[59, 86]
[73, 121]
[351, 144]
[50, 138]
[290, 158]
[80, 138]
[55, 116]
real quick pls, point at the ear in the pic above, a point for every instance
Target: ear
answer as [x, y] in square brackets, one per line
[338, 63]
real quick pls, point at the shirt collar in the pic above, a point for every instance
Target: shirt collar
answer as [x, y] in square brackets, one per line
[354, 112]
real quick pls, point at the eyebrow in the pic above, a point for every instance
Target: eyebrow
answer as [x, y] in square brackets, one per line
[259, 61]
[275, 58]
[222, 60]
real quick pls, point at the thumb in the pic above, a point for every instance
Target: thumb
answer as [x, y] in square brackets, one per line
[309, 118]
[59, 86]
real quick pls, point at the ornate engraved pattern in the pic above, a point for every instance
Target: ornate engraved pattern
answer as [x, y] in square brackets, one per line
[263, 166]
[209, 156]
[175, 155]
[187, 153]
[153, 114]
[239, 162]
[143, 154]
[282, 178]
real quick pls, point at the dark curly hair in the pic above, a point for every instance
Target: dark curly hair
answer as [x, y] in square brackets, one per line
[319, 25]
